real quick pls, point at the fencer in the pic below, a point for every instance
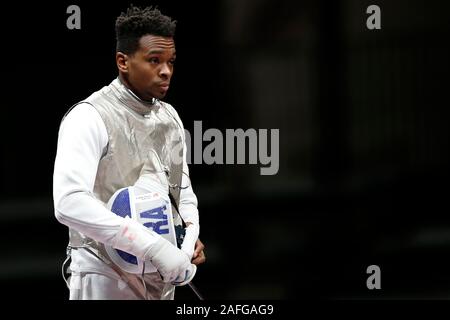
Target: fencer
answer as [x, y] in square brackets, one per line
[124, 140]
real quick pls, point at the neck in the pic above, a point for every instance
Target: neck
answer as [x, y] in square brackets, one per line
[127, 84]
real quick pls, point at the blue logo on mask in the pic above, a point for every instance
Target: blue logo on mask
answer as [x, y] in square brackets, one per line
[121, 207]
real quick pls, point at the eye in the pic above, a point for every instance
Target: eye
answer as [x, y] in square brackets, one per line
[153, 60]
[172, 61]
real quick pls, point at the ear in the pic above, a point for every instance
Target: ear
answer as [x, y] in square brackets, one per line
[122, 62]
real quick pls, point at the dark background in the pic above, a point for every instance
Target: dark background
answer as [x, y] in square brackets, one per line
[364, 141]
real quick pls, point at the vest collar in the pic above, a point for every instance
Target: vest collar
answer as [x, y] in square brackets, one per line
[131, 100]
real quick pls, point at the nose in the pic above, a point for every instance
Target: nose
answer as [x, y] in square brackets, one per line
[165, 72]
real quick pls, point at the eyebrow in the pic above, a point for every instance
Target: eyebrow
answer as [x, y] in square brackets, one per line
[158, 52]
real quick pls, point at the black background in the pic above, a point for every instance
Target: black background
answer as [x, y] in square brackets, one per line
[364, 141]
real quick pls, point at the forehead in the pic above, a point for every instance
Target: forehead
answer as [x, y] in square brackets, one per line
[151, 43]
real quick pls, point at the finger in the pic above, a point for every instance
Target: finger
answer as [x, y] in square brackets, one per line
[197, 252]
[200, 259]
[199, 246]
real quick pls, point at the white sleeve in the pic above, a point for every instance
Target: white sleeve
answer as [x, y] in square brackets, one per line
[188, 199]
[82, 140]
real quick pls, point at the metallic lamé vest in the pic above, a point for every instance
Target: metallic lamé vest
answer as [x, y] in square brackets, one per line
[135, 128]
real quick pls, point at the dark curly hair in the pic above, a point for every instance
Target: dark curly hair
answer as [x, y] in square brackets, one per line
[136, 22]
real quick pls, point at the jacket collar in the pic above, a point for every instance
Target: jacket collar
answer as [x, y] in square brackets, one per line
[131, 100]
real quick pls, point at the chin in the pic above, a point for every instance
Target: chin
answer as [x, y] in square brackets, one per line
[160, 95]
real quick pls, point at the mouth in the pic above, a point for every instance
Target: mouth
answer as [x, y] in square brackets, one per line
[164, 85]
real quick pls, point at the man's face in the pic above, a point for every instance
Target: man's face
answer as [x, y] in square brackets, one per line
[150, 68]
